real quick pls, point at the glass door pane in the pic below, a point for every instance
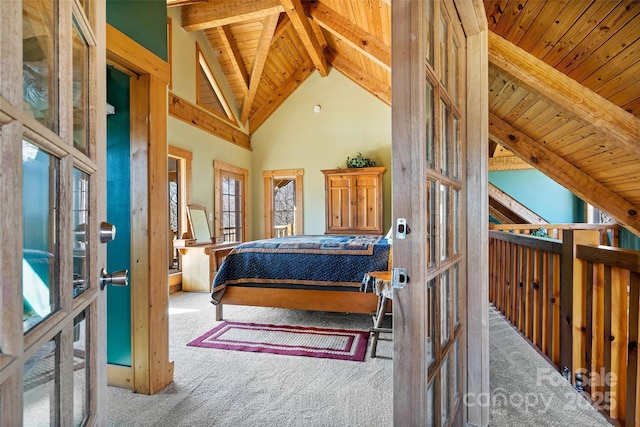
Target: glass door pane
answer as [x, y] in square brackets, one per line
[40, 254]
[39, 89]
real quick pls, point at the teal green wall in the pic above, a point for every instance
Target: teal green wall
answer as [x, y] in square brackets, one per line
[145, 21]
[628, 240]
[541, 194]
[118, 214]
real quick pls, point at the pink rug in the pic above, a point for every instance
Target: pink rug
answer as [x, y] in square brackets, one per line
[291, 340]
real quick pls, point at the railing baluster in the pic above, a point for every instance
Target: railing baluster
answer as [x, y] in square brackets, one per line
[588, 329]
[608, 339]
[632, 372]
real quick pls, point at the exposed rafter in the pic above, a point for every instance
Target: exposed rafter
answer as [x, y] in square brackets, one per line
[268, 29]
[360, 76]
[351, 34]
[564, 173]
[577, 100]
[200, 16]
[502, 216]
[499, 197]
[229, 46]
[295, 12]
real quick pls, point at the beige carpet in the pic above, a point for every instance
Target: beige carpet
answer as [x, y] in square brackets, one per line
[232, 388]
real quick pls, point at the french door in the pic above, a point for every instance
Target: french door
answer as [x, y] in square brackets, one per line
[52, 179]
[429, 116]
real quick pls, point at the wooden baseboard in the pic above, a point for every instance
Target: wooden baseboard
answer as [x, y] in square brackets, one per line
[119, 376]
[175, 282]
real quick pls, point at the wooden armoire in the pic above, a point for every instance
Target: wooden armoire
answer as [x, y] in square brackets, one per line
[353, 200]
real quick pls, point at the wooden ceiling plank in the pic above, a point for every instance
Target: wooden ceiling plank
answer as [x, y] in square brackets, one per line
[537, 108]
[613, 56]
[612, 68]
[565, 174]
[233, 54]
[502, 95]
[494, 10]
[633, 107]
[561, 24]
[530, 10]
[513, 205]
[566, 93]
[295, 12]
[510, 16]
[624, 88]
[351, 34]
[268, 29]
[589, 20]
[268, 107]
[514, 100]
[600, 33]
[224, 12]
[359, 76]
[556, 136]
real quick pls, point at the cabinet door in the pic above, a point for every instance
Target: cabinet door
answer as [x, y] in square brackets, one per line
[339, 217]
[366, 207]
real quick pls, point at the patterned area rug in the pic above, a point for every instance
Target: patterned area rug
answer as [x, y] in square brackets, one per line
[290, 340]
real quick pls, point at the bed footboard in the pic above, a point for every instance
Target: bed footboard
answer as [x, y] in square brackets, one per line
[300, 299]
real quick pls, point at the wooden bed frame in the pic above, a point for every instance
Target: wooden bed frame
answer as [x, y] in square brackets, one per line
[301, 299]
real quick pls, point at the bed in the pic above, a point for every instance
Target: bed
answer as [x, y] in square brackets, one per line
[307, 272]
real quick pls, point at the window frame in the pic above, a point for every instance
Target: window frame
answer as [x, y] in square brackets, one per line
[269, 177]
[203, 64]
[225, 170]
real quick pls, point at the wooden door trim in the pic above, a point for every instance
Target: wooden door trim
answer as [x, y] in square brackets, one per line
[151, 369]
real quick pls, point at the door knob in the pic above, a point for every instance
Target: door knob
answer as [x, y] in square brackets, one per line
[119, 278]
[107, 232]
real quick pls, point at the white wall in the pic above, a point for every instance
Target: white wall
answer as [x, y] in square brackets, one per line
[294, 137]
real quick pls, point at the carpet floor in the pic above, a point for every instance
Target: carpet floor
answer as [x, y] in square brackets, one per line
[231, 388]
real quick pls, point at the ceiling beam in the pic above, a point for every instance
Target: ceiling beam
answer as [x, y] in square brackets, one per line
[264, 44]
[230, 48]
[216, 13]
[507, 163]
[499, 196]
[505, 217]
[295, 12]
[360, 76]
[562, 91]
[351, 34]
[565, 174]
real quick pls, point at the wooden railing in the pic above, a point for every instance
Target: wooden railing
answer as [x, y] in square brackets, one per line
[524, 284]
[608, 366]
[609, 233]
[578, 303]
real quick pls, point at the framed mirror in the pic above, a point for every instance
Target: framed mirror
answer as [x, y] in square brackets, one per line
[199, 224]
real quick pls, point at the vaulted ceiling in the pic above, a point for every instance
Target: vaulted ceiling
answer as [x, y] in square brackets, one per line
[563, 77]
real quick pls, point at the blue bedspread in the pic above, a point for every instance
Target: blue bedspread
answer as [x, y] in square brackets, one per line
[303, 262]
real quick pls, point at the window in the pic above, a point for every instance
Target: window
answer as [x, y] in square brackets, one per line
[208, 93]
[283, 202]
[179, 171]
[231, 194]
